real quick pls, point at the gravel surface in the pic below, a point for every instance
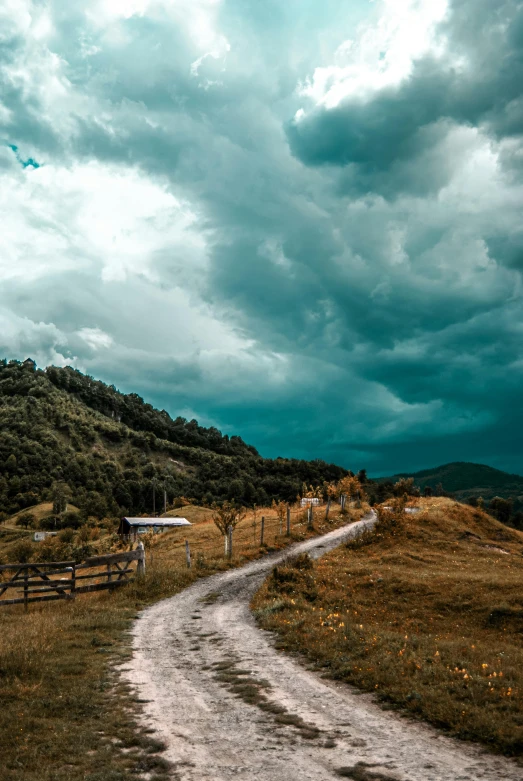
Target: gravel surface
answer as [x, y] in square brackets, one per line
[280, 722]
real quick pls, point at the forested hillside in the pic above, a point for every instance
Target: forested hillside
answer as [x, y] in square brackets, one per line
[105, 450]
[464, 480]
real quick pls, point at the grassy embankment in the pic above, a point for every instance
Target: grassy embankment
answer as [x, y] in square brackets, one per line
[64, 715]
[39, 512]
[427, 613]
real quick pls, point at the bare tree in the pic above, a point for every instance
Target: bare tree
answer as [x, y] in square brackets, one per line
[280, 509]
[226, 518]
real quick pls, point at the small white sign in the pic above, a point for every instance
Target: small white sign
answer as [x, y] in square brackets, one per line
[39, 536]
[305, 502]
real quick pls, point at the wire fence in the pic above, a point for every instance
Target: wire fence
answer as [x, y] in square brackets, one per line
[262, 531]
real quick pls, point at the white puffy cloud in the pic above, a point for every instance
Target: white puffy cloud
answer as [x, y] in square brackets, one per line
[107, 218]
[381, 55]
[96, 338]
[22, 337]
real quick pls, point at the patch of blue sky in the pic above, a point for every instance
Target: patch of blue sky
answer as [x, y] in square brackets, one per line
[30, 162]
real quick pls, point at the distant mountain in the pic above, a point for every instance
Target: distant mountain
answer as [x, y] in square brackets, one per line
[106, 450]
[464, 479]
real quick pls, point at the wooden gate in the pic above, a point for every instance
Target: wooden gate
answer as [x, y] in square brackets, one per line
[41, 581]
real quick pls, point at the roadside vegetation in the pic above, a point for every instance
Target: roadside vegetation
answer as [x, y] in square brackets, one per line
[426, 613]
[64, 715]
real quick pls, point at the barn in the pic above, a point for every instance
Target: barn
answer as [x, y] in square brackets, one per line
[131, 527]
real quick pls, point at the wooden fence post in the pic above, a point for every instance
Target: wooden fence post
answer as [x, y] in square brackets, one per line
[140, 565]
[288, 520]
[328, 509]
[342, 502]
[73, 581]
[188, 554]
[262, 529]
[309, 517]
[230, 541]
[26, 587]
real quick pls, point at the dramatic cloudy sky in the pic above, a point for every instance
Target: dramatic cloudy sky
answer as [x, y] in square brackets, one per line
[300, 221]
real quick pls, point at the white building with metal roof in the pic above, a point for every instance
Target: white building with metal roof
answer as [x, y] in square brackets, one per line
[130, 527]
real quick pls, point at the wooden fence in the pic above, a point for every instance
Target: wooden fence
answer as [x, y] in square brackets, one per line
[254, 533]
[40, 581]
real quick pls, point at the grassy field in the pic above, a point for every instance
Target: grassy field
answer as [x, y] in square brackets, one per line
[427, 613]
[64, 715]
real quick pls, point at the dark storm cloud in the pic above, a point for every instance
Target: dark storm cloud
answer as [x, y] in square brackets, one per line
[346, 285]
[386, 141]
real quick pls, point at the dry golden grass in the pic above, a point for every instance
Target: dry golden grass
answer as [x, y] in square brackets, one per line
[193, 512]
[427, 613]
[207, 544]
[63, 714]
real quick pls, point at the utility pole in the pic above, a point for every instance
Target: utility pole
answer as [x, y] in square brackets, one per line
[164, 501]
[154, 499]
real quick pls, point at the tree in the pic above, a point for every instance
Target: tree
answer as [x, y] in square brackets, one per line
[227, 517]
[331, 490]
[350, 486]
[517, 520]
[236, 490]
[309, 492]
[25, 520]
[405, 485]
[427, 491]
[501, 508]
[280, 508]
[60, 495]
[11, 463]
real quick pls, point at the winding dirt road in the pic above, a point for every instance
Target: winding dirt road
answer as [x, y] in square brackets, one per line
[279, 722]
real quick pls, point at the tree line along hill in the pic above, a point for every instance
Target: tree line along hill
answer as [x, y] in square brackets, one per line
[499, 492]
[464, 480]
[66, 435]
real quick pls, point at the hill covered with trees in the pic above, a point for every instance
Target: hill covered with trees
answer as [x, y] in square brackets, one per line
[464, 480]
[65, 436]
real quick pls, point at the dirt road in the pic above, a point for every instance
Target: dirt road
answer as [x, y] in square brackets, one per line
[227, 704]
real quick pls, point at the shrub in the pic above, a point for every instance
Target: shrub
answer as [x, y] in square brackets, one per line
[66, 535]
[51, 523]
[71, 520]
[302, 561]
[22, 552]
